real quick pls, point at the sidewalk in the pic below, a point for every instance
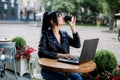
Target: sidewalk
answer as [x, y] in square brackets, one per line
[108, 39]
[34, 23]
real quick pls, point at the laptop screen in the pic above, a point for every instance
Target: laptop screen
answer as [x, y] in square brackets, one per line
[87, 53]
[88, 50]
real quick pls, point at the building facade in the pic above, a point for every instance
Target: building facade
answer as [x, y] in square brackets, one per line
[19, 9]
[8, 10]
[27, 9]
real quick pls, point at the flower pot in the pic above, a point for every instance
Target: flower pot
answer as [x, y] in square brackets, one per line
[21, 66]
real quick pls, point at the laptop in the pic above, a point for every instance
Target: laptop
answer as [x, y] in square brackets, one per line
[87, 53]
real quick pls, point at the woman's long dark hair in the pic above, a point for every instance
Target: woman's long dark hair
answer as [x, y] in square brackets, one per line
[47, 17]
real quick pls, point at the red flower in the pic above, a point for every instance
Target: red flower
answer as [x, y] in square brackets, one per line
[88, 73]
[97, 77]
[119, 66]
[2, 50]
[116, 78]
[24, 52]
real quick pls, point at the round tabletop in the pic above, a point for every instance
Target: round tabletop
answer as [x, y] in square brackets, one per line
[3, 40]
[53, 64]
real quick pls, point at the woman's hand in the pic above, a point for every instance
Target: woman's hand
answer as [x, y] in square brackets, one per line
[67, 56]
[72, 24]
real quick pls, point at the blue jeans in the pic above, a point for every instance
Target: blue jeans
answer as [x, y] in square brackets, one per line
[52, 75]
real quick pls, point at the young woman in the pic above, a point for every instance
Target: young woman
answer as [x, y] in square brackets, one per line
[55, 43]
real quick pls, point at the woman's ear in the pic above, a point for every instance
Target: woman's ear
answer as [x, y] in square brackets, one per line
[51, 21]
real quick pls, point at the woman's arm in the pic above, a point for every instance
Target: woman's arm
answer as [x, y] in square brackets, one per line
[75, 41]
[43, 49]
[72, 24]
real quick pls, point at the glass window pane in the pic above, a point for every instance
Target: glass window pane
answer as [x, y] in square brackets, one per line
[12, 1]
[3, 0]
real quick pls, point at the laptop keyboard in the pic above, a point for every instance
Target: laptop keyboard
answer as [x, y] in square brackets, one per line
[75, 59]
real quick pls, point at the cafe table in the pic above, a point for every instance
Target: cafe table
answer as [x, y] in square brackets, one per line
[53, 64]
[3, 40]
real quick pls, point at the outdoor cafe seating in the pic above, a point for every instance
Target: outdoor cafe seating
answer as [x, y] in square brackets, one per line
[7, 53]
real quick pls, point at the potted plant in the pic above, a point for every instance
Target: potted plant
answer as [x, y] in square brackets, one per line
[106, 63]
[105, 60]
[116, 73]
[22, 55]
[20, 47]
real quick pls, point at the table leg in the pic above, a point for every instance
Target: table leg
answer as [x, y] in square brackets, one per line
[66, 76]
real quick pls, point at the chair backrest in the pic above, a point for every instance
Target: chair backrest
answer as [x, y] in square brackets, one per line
[9, 49]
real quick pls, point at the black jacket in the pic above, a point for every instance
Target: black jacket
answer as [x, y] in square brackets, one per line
[49, 46]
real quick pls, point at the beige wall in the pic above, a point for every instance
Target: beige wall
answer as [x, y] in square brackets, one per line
[24, 3]
[32, 4]
[28, 5]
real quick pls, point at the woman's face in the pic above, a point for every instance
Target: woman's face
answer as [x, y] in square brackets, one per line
[60, 20]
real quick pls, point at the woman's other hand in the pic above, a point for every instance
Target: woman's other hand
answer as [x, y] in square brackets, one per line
[72, 24]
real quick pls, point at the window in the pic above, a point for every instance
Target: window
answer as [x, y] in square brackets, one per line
[3, 0]
[12, 1]
[0, 15]
[5, 6]
[34, 4]
[28, 3]
[21, 2]
[12, 5]
[12, 14]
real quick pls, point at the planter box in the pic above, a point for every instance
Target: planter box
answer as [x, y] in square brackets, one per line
[21, 66]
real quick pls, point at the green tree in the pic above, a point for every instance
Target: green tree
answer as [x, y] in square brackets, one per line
[78, 8]
[64, 6]
[67, 6]
[113, 7]
[48, 4]
[93, 6]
